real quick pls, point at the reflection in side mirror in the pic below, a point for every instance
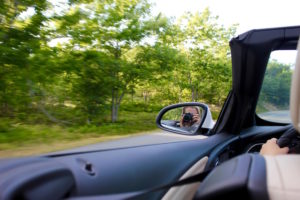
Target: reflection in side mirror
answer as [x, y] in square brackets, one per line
[185, 118]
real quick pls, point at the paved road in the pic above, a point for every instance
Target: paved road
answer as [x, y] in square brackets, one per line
[282, 116]
[157, 137]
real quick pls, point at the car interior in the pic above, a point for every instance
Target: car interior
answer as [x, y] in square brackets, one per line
[267, 177]
[229, 152]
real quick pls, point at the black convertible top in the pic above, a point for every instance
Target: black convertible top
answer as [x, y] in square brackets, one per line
[250, 53]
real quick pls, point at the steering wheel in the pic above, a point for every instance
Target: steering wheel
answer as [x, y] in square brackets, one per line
[291, 139]
[243, 176]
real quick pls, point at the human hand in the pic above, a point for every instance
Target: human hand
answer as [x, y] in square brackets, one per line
[196, 118]
[272, 148]
[181, 121]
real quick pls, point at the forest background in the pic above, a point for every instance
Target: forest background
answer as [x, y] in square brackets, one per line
[83, 69]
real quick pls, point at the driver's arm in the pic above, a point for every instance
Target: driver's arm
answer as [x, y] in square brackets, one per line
[181, 121]
[271, 148]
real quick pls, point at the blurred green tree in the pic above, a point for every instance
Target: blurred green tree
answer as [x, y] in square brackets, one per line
[75, 61]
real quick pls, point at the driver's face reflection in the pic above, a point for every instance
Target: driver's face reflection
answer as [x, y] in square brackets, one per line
[190, 116]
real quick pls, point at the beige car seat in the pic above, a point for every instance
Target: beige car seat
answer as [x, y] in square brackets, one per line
[283, 171]
[295, 93]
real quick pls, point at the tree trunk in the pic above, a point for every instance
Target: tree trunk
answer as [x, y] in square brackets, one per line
[113, 116]
[132, 94]
[40, 105]
[5, 111]
[180, 96]
[115, 104]
[115, 111]
[145, 94]
[196, 94]
[192, 87]
[193, 94]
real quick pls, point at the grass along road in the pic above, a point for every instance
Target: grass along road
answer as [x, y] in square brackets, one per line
[22, 139]
[42, 148]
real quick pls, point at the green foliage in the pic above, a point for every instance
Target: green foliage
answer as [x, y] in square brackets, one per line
[16, 134]
[86, 63]
[174, 114]
[141, 107]
[275, 92]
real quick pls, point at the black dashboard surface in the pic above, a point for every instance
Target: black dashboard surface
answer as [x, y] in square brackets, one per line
[129, 169]
[136, 168]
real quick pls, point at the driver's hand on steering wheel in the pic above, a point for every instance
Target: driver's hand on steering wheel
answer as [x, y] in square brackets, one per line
[272, 148]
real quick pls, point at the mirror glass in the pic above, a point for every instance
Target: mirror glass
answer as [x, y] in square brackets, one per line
[186, 119]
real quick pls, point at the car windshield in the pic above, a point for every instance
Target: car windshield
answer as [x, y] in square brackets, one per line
[75, 73]
[274, 99]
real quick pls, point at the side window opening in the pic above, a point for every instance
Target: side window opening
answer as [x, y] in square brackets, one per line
[273, 104]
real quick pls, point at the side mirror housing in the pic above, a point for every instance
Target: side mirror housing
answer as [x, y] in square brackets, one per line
[185, 118]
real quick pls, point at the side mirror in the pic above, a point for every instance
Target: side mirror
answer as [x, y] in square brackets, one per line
[185, 118]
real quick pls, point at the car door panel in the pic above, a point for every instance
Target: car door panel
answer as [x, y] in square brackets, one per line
[38, 178]
[128, 169]
[145, 166]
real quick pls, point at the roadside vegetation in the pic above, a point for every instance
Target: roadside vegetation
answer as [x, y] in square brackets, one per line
[15, 134]
[71, 70]
[275, 92]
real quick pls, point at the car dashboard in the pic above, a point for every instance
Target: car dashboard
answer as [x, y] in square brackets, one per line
[249, 141]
